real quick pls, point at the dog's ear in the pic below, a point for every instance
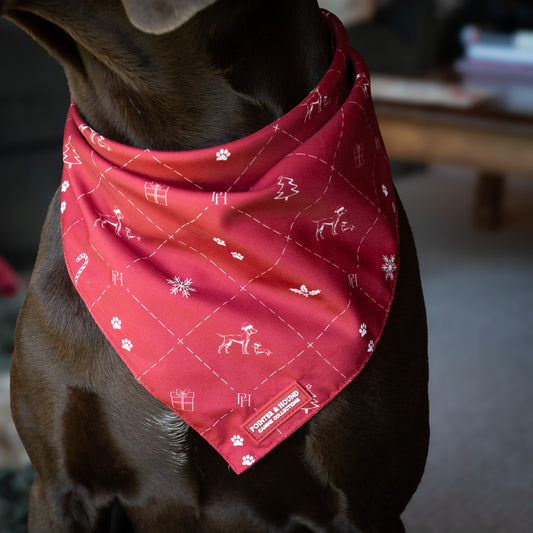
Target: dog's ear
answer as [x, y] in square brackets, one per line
[162, 16]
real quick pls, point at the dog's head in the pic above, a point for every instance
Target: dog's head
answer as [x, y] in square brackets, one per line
[175, 74]
[123, 58]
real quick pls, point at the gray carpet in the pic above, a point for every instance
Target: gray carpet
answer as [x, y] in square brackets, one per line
[479, 292]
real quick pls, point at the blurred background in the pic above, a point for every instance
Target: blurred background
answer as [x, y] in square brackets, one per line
[453, 87]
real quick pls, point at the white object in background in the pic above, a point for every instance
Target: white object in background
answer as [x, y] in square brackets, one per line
[394, 89]
[352, 11]
[499, 47]
[523, 39]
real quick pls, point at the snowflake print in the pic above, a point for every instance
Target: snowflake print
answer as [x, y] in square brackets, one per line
[179, 286]
[362, 329]
[237, 440]
[385, 191]
[248, 460]
[63, 207]
[116, 322]
[389, 266]
[220, 242]
[127, 344]
[64, 186]
[304, 291]
[223, 155]
[371, 346]
[237, 255]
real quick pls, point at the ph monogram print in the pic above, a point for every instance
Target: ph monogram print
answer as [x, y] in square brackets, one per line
[243, 285]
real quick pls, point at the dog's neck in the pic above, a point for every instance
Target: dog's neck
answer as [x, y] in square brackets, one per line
[226, 73]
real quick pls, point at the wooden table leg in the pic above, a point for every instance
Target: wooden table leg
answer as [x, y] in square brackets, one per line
[488, 208]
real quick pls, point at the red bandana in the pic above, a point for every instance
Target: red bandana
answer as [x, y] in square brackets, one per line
[244, 285]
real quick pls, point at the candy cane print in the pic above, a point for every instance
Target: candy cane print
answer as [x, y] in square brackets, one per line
[83, 267]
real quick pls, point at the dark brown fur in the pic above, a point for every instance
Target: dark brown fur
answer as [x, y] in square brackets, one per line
[110, 457]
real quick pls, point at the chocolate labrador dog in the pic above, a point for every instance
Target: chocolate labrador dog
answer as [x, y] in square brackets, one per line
[108, 455]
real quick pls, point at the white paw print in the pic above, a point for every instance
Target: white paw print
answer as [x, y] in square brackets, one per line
[362, 329]
[237, 440]
[64, 186]
[116, 322]
[127, 344]
[220, 242]
[223, 155]
[248, 460]
[237, 255]
[63, 207]
[370, 346]
[385, 191]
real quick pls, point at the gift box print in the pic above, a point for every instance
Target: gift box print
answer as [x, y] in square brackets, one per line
[156, 193]
[182, 400]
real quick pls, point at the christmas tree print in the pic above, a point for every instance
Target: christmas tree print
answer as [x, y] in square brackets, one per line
[287, 188]
[70, 156]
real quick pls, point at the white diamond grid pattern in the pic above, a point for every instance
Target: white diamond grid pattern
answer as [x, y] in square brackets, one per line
[181, 338]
